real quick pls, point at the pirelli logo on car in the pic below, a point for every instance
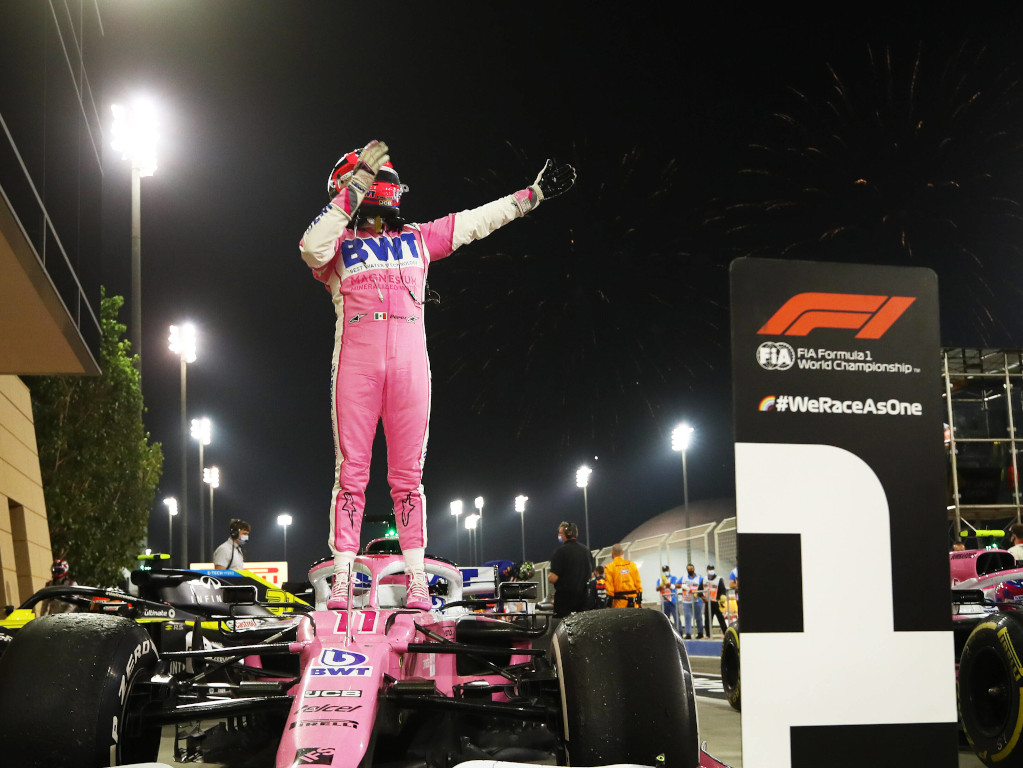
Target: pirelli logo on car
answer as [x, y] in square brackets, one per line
[870, 316]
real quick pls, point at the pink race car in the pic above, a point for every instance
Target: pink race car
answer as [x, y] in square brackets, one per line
[987, 620]
[473, 679]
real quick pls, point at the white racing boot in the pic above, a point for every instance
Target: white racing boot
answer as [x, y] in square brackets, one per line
[418, 595]
[339, 591]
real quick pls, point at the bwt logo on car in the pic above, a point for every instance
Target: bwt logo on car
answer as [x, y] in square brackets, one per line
[870, 316]
[339, 663]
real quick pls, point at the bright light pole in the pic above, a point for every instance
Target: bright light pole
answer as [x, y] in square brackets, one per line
[284, 521]
[582, 479]
[211, 476]
[172, 509]
[470, 525]
[680, 437]
[202, 431]
[520, 507]
[182, 343]
[456, 510]
[134, 133]
[479, 536]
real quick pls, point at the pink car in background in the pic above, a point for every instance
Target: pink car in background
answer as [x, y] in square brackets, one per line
[982, 569]
[987, 598]
[375, 684]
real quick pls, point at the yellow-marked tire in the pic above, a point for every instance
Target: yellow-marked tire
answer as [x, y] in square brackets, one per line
[731, 679]
[990, 682]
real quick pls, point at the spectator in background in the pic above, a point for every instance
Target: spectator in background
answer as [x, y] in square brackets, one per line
[61, 573]
[690, 587]
[733, 578]
[624, 588]
[230, 556]
[1016, 532]
[571, 566]
[596, 590]
[669, 599]
[716, 595]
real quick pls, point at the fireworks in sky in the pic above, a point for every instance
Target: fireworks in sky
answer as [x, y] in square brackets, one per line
[907, 157]
[572, 327]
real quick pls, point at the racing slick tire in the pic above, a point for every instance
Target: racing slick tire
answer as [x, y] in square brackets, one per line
[68, 694]
[990, 683]
[626, 689]
[731, 679]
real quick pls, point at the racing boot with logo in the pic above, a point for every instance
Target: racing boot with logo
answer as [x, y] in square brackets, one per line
[418, 595]
[339, 591]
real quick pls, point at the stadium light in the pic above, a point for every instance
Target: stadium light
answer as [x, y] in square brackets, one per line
[582, 479]
[680, 439]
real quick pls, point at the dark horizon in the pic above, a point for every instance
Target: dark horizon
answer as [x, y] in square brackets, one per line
[586, 332]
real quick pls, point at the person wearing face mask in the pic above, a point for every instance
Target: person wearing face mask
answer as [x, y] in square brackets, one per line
[571, 566]
[690, 589]
[716, 593]
[669, 599]
[230, 556]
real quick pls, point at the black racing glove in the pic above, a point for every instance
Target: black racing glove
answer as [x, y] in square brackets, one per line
[639, 599]
[553, 180]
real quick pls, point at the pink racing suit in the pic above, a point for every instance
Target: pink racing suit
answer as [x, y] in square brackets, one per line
[380, 369]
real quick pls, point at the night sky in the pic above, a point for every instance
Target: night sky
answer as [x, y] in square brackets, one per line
[585, 332]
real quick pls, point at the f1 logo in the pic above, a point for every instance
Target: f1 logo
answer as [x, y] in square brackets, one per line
[872, 316]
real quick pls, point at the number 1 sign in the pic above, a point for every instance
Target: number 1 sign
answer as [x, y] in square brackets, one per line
[847, 655]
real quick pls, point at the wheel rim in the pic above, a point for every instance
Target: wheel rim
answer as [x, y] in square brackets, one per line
[989, 689]
[137, 742]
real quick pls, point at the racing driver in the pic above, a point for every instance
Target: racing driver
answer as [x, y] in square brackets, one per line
[375, 265]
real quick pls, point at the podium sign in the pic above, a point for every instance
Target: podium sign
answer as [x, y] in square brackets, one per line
[846, 641]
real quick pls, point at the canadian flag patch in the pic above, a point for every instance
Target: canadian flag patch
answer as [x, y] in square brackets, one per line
[379, 315]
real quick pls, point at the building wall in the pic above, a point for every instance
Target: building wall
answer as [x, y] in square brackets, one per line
[51, 186]
[25, 554]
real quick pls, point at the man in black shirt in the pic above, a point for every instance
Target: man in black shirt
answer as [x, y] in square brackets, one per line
[571, 566]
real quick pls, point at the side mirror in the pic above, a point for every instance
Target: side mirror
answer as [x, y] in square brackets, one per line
[8, 610]
[518, 590]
